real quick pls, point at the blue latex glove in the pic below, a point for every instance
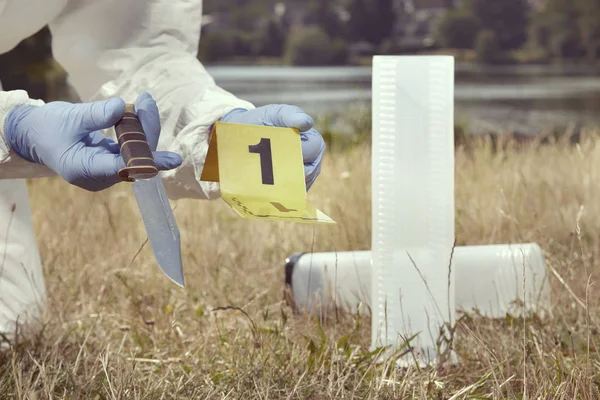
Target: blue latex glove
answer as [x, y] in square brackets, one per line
[65, 137]
[287, 116]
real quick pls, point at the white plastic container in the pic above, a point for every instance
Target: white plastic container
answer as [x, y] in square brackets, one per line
[489, 280]
[320, 282]
[413, 201]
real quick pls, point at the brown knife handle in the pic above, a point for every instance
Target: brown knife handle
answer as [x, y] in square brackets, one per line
[139, 162]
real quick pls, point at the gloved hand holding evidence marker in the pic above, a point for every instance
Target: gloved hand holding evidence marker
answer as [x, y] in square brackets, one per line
[287, 116]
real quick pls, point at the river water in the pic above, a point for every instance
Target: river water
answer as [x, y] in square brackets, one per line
[523, 98]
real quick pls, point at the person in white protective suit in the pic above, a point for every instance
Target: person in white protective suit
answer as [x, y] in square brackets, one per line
[115, 51]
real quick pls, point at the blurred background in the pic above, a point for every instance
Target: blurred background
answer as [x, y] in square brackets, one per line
[521, 65]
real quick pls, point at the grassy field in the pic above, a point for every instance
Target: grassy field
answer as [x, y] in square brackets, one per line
[115, 327]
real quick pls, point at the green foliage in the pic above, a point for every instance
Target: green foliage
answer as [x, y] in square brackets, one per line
[245, 16]
[359, 21]
[271, 40]
[554, 31]
[323, 14]
[339, 52]
[487, 47]
[589, 26]
[220, 46]
[311, 46]
[371, 20]
[568, 29]
[565, 44]
[458, 29]
[383, 20]
[390, 47]
[563, 30]
[508, 19]
[506, 24]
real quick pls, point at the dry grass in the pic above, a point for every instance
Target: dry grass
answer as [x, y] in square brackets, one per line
[117, 328]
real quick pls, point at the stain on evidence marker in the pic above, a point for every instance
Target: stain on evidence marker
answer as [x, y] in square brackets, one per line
[248, 212]
[281, 207]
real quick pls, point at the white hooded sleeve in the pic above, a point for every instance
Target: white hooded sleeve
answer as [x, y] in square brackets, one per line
[125, 47]
[13, 166]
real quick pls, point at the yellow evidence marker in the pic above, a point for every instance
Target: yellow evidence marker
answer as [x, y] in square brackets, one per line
[261, 172]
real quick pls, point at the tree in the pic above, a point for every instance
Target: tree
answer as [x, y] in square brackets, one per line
[324, 15]
[458, 29]
[359, 22]
[556, 29]
[371, 20]
[508, 19]
[221, 46]
[383, 18]
[311, 46]
[589, 26]
[271, 40]
[487, 49]
[246, 16]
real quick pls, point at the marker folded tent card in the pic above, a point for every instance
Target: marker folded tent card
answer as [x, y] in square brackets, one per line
[261, 172]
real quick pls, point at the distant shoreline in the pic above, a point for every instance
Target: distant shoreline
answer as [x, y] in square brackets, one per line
[463, 62]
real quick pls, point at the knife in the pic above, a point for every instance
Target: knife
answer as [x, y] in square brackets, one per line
[152, 200]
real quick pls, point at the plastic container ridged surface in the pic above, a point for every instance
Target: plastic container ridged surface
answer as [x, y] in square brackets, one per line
[413, 201]
[489, 280]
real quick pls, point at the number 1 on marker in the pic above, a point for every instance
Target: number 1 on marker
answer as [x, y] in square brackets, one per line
[243, 161]
[263, 148]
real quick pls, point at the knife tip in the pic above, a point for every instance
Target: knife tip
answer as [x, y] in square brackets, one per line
[179, 282]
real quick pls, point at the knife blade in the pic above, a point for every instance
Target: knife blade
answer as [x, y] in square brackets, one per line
[157, 215]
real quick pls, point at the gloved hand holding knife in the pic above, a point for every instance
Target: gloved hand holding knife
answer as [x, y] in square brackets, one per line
[66, 138]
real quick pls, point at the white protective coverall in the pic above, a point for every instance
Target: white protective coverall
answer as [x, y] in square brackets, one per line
[110, 48]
